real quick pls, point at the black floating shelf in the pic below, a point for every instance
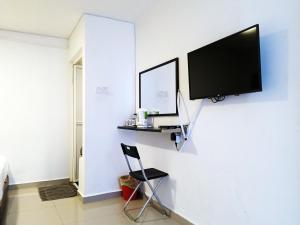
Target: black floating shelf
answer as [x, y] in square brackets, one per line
[148, 129]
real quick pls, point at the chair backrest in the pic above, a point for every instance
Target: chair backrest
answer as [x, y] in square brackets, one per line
[130, 151]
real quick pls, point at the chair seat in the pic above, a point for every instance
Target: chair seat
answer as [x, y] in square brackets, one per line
[151, 173]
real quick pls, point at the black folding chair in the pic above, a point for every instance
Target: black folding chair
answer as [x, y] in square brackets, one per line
[143, 175]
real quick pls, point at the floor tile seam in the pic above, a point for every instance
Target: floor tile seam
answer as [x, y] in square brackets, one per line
[28, 210]
[58, 214]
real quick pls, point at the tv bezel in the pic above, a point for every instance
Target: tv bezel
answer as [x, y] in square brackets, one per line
[231, 93]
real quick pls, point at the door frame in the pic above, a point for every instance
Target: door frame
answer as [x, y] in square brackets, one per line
[74, 126]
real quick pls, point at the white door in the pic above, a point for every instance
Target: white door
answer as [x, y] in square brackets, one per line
[77, 121]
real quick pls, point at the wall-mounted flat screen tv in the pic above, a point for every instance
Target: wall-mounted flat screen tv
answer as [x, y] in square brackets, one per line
[229, 66]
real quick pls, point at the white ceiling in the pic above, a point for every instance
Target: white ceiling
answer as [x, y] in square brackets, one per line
[59, 17]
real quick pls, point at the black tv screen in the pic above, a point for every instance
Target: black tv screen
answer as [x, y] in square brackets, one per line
[229, 66]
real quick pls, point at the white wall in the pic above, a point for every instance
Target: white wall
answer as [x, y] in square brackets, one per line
[241, 166]
[109, 67]
[35, 96]
[107, 48]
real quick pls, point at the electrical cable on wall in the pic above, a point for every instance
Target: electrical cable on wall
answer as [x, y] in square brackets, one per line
[217, 99]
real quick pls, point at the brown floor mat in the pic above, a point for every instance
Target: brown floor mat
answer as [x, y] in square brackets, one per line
[57, 192]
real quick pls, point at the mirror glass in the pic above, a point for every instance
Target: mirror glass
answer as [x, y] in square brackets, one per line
[158, 89]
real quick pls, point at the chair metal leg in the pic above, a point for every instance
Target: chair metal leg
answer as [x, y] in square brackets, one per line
[150, 198]
[154, 192]
[147, 202]
[131, 196]
[158, 199]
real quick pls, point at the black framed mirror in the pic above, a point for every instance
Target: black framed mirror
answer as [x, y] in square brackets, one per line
[158, 87]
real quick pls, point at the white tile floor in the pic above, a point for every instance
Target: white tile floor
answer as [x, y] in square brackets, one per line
[26, 208]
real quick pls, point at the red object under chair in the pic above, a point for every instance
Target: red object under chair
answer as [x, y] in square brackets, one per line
[127, 192]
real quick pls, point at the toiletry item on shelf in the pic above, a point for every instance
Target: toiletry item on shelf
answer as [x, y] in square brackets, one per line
[150, 121]
[131, 122]
[141, 119]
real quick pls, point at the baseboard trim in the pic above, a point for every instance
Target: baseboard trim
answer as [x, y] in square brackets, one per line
[100, 197]
[38, 184]
[180, 219]
[175, 216]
